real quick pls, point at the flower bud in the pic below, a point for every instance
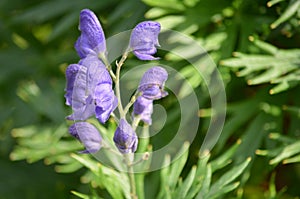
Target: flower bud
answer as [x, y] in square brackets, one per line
[125, 138]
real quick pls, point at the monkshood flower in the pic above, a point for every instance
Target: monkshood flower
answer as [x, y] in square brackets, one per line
[144, 40]
[88, 135]
[152, 83]
[89, 90]
[144, 108]
[125, 138]
[92, 39]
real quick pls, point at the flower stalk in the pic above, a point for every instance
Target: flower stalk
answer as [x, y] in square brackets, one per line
[129, 163]
[90, 93]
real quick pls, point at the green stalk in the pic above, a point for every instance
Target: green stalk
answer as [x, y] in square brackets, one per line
[129, 159]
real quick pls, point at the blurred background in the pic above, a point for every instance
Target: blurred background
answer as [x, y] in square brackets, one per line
[256, 44]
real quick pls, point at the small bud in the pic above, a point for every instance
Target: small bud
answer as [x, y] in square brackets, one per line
[125, 138]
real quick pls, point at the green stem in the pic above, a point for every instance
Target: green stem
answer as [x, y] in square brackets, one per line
[135, 122]
[128, 158]
[118, 94]
[116, 77]
[107, 64]
[131, 102]
[117, 82]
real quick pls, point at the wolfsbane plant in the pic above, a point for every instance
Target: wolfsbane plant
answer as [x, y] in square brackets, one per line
[89, 88]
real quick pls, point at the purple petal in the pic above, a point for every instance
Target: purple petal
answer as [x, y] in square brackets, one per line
[84, 110]
[152, 83]
[105, 100]
[125, 138]
[92, 39]
[88, 135]
[143, 56]
[144, 108]
[97, 72]
[144, 40]
[71, 73]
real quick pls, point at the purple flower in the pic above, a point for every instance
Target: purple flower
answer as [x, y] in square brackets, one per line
[144, 40]
[152, 83]
[92, 39]
[89, 90]
[88, 135]
[144, 108]
[125, 138]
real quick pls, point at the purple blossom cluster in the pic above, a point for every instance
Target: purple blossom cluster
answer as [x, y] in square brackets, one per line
[89, 88]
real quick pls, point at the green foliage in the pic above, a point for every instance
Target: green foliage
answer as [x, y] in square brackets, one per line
[280, 67]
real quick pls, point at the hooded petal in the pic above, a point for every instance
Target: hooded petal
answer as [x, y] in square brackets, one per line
[92, 39]
[96, 72]
[125, 138]
[144, 108]
[71, 74]
[106, 102]
[88, 135]
[152, 83]
[144, 40]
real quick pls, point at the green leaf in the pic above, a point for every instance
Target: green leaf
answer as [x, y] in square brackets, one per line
[223, 183]
[225, 158]
[183, 189]
[293, 110]
[170, 174]
[155, 13]
[84, 196]
[224, 190]
[177, 166]
[164, 174]
[273, 2]
[287, 152]
[68, 168]
[206, 183]
[268, 48]
[282, 66]
[167, 4]
[294, 159]
[202, 176]
[293, 7]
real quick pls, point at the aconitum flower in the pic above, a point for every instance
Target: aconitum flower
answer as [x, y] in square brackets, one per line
[144, 108]
[144, 40]
[89, 90]
[92, 39]
[152, 83]
[88, 135]
[125, 138]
